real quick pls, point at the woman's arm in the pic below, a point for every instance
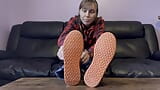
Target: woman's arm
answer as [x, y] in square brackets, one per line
[97, 34]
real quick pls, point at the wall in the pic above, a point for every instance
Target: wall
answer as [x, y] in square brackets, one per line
[4, 23]
[18, 11]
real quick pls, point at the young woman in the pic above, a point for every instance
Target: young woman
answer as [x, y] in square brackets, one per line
[84, 46]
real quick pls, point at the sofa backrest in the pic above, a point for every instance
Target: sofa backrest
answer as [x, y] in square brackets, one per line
[134, 40]
[38, 39]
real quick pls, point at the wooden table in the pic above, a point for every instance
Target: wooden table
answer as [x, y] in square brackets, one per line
[107, 84]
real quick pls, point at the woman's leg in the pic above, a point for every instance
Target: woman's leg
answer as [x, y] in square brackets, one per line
[84, 67]
[104, 51]
[73, 48]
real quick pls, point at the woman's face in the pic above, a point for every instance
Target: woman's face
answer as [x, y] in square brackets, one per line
[88, 13]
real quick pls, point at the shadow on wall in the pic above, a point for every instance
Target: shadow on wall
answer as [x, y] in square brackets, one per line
[158, 24]
[157, 27]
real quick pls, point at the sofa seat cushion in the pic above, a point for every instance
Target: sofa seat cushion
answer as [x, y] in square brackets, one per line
[3, 82]
[16, 68]
[135, 68]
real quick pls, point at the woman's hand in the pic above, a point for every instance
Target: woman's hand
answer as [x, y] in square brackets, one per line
[85, 56]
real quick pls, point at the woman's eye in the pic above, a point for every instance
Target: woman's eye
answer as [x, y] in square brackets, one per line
[84, 10]
[92, 11]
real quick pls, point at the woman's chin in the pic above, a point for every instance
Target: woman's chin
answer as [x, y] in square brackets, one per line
[86, 23]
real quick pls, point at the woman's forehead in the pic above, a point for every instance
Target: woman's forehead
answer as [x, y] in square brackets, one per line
[89, 6]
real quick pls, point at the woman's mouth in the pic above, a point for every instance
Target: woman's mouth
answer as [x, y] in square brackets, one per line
[86, 20]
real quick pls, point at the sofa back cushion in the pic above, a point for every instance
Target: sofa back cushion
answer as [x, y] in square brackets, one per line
[42, 29]
[39, 39]
[130, 36]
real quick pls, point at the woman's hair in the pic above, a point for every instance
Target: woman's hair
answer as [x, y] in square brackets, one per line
[83, 4]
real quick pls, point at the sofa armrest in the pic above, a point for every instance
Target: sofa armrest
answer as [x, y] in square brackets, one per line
[156, 55]
[4, 54]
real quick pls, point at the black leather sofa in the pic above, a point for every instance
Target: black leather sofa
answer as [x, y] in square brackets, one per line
[32, 46]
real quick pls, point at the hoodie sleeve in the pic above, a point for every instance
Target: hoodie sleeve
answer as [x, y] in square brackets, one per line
[98, 31]
[71, 25]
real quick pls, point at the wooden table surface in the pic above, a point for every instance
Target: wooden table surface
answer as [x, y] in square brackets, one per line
[106, 84]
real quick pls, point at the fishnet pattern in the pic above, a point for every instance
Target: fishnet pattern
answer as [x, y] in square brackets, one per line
[104, 51]
[73, 47]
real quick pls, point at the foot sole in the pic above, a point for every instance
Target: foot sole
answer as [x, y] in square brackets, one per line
[104, 51]
[73, 47]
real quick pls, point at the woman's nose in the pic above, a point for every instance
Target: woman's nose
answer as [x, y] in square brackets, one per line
[87, 13]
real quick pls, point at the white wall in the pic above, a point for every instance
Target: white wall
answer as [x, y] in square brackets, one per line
[4, 23]
[18, 11]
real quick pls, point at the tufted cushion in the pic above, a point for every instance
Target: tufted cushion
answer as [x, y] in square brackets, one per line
[38, 39]
[127, 29]
[42, 29]
[134, 67]
[132, 48]
[12, 69]
[130, 39]
[28, 47]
